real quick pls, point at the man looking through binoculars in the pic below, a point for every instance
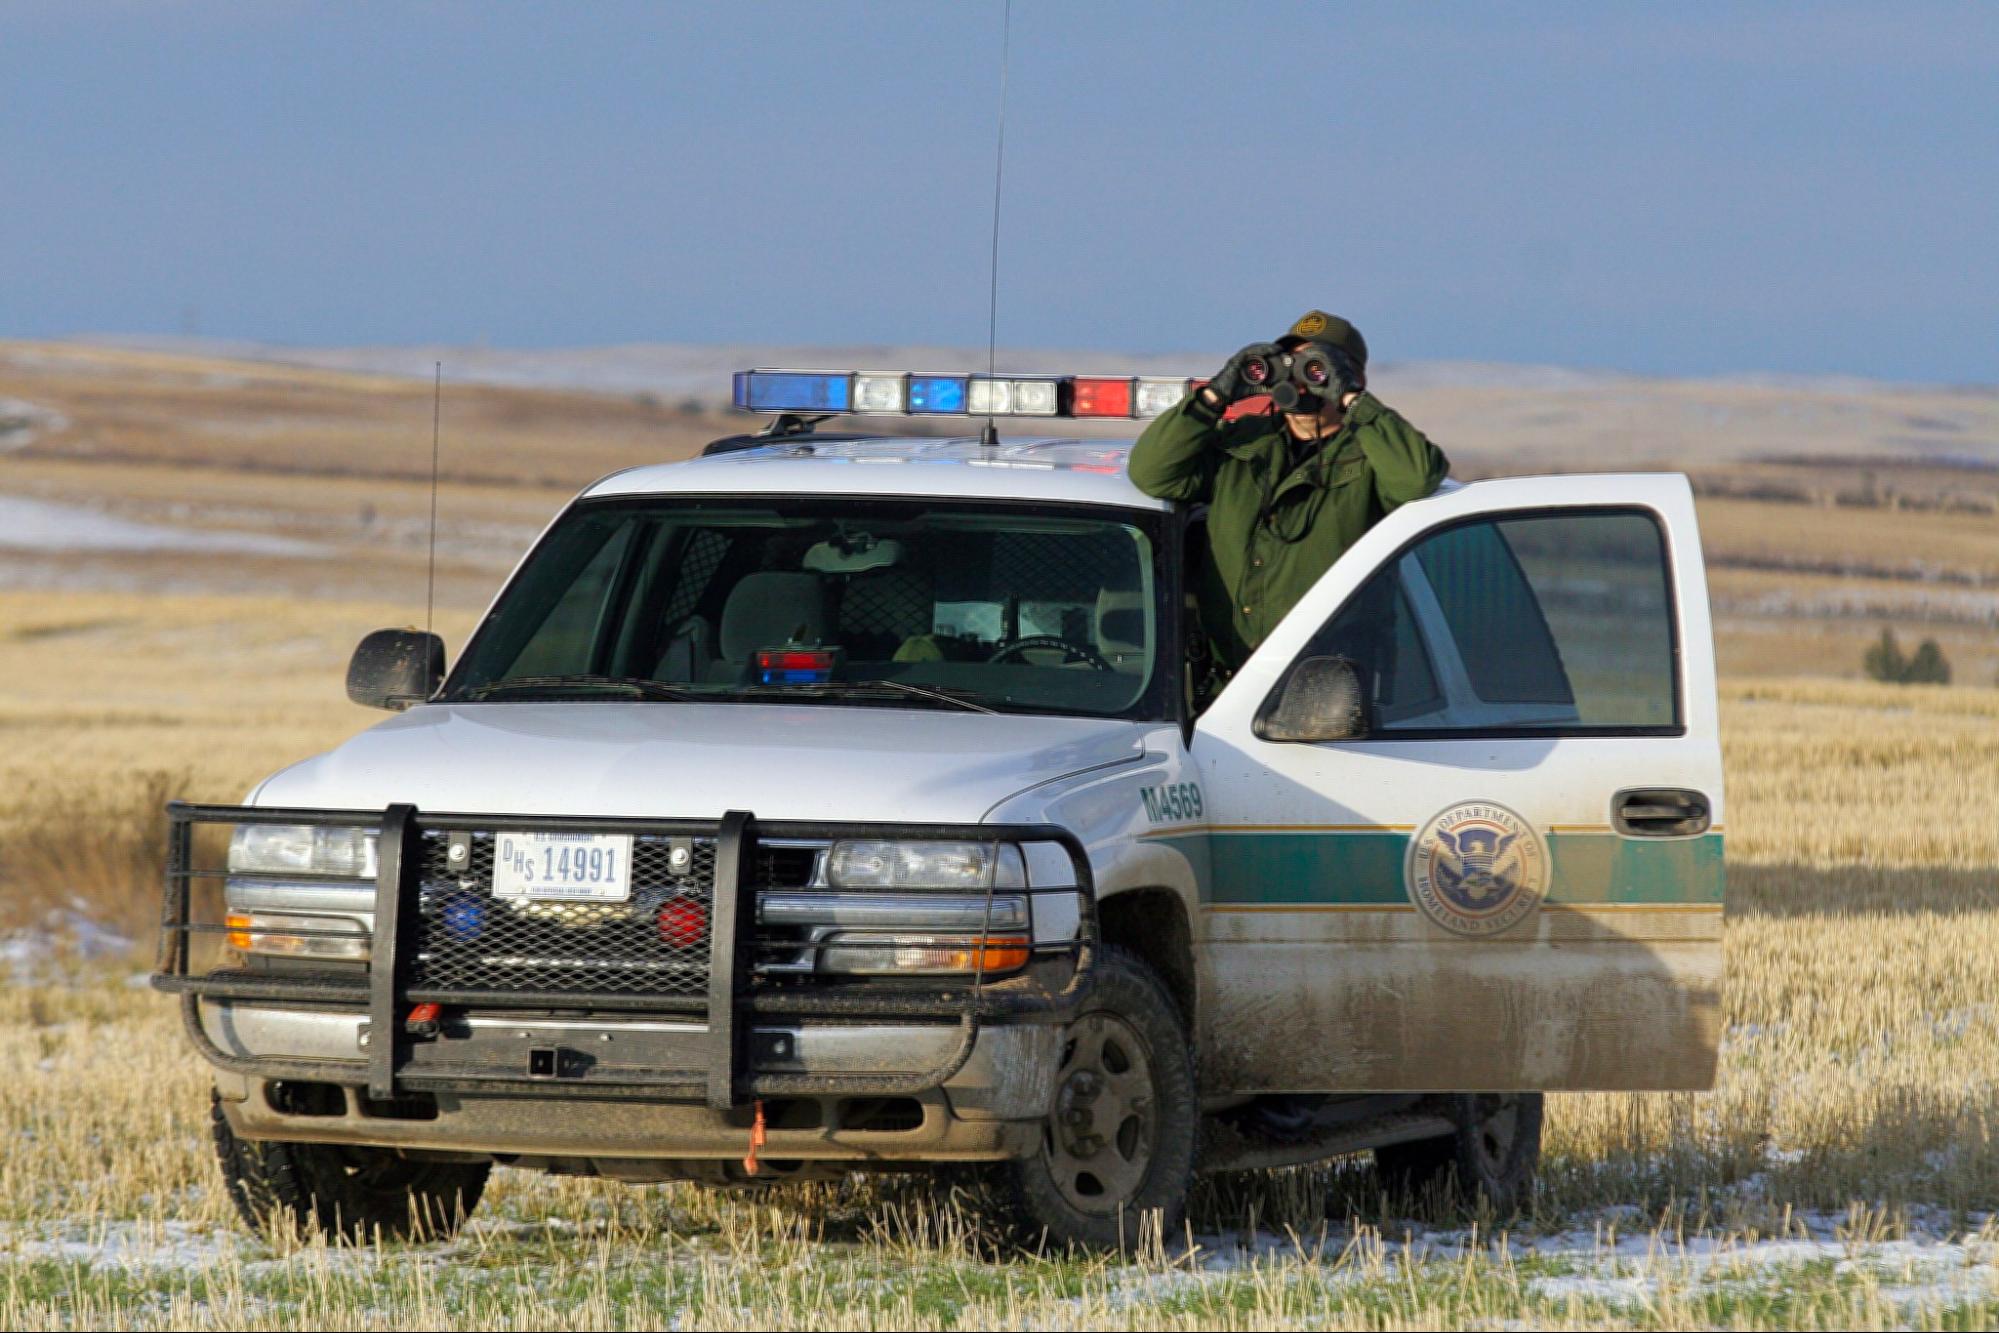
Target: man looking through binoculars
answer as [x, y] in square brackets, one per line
[1288, 493]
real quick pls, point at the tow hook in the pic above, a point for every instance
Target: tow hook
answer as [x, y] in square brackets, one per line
[757, 1140]
[424, 1021]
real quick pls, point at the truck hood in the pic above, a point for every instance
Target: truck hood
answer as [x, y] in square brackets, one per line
[698, 761]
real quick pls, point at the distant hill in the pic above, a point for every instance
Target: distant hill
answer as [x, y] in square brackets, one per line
[1489, 416]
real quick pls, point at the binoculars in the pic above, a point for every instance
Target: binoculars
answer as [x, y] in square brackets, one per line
[1296, 381]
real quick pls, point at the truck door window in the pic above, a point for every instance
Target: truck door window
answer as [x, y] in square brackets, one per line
[1550, 622]
[1504, 641]
[1377, 629]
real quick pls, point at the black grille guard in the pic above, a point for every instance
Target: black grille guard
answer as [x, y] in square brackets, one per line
[714, 1065]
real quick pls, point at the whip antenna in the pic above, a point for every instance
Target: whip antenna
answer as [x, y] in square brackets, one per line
[991, 435]
[436, 417]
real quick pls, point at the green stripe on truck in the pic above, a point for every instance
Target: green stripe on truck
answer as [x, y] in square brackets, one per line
[1365, 868]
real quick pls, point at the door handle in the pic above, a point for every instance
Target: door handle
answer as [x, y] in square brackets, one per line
[1659, 812]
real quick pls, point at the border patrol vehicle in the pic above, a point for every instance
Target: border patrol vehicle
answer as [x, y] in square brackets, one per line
[832, 802]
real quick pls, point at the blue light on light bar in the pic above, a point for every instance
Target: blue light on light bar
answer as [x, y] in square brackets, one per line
[937, 393]
[793, 391]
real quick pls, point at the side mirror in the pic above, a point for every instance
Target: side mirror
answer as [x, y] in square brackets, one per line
[1321, 700]
[394, 668]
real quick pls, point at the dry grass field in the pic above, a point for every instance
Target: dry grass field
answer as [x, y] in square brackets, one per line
[1843, 1173]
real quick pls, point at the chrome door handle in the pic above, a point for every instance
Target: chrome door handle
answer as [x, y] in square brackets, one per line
[1659, 812]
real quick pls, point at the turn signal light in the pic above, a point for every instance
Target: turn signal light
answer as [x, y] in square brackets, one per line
[925, 955]
[295, 935]
[994, 953]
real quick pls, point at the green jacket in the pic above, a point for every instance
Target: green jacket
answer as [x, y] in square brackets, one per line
[1253, 572]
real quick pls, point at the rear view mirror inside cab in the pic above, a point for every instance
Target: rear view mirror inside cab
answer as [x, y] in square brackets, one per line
[853, 553]
[1322, 699]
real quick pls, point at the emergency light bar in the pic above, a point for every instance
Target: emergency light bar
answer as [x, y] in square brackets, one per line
[895, 393]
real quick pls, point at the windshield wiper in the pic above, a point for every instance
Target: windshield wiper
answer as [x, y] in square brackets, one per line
[833, 689]
[926, 692]
[638, 687]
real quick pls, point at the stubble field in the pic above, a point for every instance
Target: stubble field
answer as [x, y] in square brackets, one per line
[1844, 1172]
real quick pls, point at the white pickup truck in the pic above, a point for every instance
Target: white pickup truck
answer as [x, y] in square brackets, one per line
[833, 802]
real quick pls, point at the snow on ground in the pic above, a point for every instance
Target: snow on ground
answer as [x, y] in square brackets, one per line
[1594, 1261]
[1616, 1258]
[39, 525]
[22, 423]
[130, 1247]
[52, 949]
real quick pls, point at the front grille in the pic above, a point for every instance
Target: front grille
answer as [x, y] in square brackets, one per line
[654, 943]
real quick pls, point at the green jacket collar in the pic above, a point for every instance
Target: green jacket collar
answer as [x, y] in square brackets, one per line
[1261, 444]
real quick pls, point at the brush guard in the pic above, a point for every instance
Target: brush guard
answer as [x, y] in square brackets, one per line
[710, 1055]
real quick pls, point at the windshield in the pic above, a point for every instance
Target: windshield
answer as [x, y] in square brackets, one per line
[899, 603]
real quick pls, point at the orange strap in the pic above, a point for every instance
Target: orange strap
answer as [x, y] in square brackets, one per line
[757, 1140]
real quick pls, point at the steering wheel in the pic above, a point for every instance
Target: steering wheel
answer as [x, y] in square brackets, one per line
[1072, 652]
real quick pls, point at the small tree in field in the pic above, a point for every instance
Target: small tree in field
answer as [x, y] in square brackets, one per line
[1886, 662]
[1928, 666]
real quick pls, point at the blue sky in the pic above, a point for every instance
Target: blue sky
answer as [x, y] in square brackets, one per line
[1675, 189]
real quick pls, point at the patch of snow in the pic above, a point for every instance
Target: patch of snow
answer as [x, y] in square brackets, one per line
[1622, 1260]
[63, 937]
[22, 423]
[1617, 1291]
[39, 525]
[128, 1246]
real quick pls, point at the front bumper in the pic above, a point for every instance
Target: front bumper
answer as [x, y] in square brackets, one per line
[974, 1050]
[999, 1088]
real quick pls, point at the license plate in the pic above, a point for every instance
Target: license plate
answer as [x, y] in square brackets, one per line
[563, 867]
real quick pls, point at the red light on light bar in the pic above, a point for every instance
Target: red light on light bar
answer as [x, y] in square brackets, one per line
[1101, 398]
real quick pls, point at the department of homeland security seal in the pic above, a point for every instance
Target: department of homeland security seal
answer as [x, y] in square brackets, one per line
[1477, 869]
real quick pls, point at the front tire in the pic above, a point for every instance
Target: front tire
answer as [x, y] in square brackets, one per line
[1491, 1158]
[1117, 1148]
[351, 1193]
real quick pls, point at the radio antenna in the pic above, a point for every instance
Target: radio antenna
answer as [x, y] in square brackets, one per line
[991, 435]
[436, 418]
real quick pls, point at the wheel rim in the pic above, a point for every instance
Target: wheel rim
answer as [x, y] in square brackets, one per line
[1494, 1135]
[1100, 1137]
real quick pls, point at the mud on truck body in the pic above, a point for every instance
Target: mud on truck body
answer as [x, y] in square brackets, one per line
[831, 803]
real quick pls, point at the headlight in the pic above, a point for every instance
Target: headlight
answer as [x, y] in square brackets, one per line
[303, 849]
[925, 865]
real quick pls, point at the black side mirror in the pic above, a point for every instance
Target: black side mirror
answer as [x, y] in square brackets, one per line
[1321, 700]
[394, 668]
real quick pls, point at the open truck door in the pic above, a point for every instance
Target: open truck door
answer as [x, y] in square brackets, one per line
[1465, 807]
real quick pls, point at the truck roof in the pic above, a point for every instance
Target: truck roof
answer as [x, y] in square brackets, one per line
[1037, 468]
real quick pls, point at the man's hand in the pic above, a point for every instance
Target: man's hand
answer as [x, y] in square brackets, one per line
[1349, 380]
[1230, 384]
